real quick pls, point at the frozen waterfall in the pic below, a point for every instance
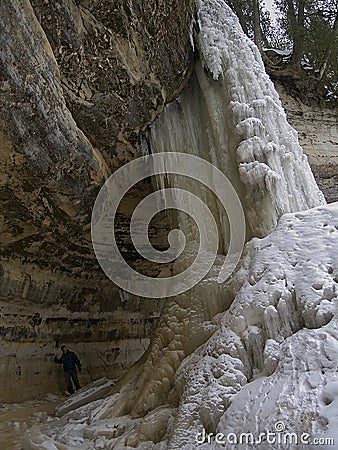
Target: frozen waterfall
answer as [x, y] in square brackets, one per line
[232, 116]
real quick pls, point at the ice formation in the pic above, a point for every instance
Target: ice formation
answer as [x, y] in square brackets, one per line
[232, 116]
[280, 334]
[262, 348]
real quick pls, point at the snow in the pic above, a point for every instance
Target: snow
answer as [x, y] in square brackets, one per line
[261, 349]
[94, 391]
[17, 418]
[278, 51]
[296, 320]
[330, 408]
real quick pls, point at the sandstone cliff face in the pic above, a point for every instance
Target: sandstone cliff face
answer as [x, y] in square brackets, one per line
[79, 80]
[267, 334]
[77, 89]
[318, 135]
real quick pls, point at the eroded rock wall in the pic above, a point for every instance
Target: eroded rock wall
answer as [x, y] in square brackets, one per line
[318, 135]
[79, 81]
[40, 310]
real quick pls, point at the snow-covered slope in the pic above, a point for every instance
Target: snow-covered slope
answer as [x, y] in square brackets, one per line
[274, 356]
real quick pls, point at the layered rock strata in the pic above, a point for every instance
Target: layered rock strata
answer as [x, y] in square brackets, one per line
[317, 128]
[79, 81]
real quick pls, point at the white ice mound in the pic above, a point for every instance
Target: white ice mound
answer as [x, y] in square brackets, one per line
[274, 357]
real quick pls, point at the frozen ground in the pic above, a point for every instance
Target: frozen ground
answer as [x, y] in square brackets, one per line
[17, 418]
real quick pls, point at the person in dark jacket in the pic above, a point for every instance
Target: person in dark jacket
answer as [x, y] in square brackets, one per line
[70, 361]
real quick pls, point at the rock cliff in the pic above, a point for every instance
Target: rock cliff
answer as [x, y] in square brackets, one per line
[80, 81]
[232, 362]
[318, 135]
